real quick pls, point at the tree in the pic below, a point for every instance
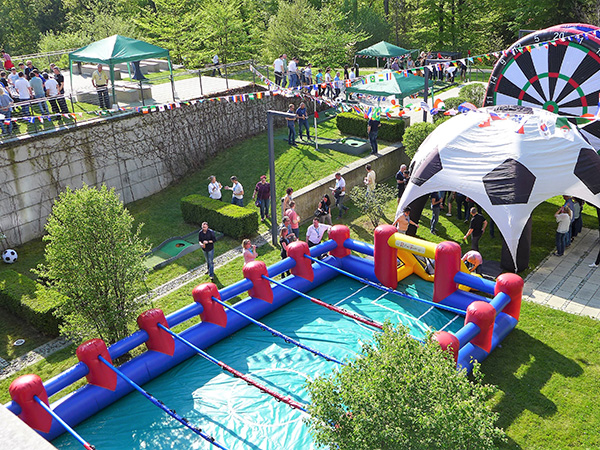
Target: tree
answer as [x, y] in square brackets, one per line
[94, 257]
[372, 203]
[402, 394]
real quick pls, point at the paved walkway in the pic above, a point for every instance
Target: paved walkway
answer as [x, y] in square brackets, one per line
[568, 283]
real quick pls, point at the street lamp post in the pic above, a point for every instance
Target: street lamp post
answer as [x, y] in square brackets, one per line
[270, 115]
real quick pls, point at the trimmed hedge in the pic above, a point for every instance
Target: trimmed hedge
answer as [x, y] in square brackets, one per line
[230, 219]
[354, 125]
[29, 300]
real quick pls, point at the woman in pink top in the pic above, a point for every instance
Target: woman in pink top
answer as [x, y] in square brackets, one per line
[249, 251]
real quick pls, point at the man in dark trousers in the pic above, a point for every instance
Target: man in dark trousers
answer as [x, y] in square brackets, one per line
[476, 229]
[207, 239]
[372, 129]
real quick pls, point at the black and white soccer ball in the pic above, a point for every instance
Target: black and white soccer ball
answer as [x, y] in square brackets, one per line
[9, 256]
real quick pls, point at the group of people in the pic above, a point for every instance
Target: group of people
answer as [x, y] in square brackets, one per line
[25, 86]
[331, 84]
[299, 115]
[570, 223]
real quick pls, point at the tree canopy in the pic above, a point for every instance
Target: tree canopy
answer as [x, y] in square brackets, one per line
[402, 394]
[94, 256]
[322, 32]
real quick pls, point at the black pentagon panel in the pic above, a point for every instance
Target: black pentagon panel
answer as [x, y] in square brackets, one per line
[587, 169]
[510, 183]
[428, 168]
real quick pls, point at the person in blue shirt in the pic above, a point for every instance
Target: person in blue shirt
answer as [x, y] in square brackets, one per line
[319, 82]
[6, 103]
[303, 120]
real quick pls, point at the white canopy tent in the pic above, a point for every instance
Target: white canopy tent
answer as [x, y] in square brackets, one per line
[508, 160]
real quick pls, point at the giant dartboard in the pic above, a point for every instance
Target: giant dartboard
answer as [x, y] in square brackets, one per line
[562, 76]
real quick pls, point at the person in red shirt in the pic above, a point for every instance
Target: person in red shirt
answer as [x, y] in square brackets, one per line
[294, 218]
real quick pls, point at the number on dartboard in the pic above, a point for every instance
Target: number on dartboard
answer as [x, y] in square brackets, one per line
[559, 35]
[536, 38]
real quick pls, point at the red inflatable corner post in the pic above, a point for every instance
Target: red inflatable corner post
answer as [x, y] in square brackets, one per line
[512, 285]
[23, 390]
[261, 287]
[339, 233]
[158, 339]
[386, 267]
[99, 373]
[448, 342]
[212, 312]
[483, 315]
[303, 267]
[447, 265]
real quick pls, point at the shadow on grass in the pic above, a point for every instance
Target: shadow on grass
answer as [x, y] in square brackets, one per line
[521, 370]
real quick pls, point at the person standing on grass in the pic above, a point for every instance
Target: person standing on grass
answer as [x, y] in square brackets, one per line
[60, 79]
[262, 192]
[6, 103]
[291, 125]
[303, 120]
[476, 228]
[214, 188]
[215, 62]
[339, 192]
[284, 241]
[369, 180]
[25, 93]
[285, 201]
[249, 251]
[324, 210]
[315, 233]
[436, 203]
[237, 190]
[278, 69]
[294, 219]
[401, 181]
[207, 239]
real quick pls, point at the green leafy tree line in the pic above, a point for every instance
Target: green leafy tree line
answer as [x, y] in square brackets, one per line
[318, 31]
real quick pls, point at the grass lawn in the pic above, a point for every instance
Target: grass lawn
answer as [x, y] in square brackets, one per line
[162, 77]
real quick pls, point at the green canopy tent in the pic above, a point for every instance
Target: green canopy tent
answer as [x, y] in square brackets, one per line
[384, 50]
[118, 49]
[378, 85]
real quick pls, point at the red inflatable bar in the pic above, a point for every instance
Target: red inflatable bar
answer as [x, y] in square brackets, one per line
[483, 315]
[303, 267]
[261, 288]
[212, 312]
[448, 342]
[386, 269]
[22, 390]
[339, 233]
[512, 285]
[158, 339]
[98, 373]
[447, 264]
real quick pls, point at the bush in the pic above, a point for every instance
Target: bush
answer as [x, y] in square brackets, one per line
[414, 137]
[29, 300]
[231, 220]
[474, 93]
[354, 125]
[453, 102]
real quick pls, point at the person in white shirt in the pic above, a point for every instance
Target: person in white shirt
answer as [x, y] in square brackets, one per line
[352, 76]
[328, 80]
[315, 233]
[339, 192]
[284, 80]
[215, 62]
[13, 76]
[563, 218]
[293, 72]
[308, 74]
[369, 180]
[25, 93]
[51, 86]
[278, 69]
[214, 188]
[237, 190]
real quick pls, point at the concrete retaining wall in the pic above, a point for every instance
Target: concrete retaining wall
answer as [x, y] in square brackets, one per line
[385, 166]
[136, 154]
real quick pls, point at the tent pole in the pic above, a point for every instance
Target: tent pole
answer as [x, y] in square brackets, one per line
[425, 91]
[171, 74]
[71, 78]
[112, 82]
[315, 116]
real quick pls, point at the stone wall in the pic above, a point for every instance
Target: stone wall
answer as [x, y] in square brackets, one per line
[385, 166]
[136, 154]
